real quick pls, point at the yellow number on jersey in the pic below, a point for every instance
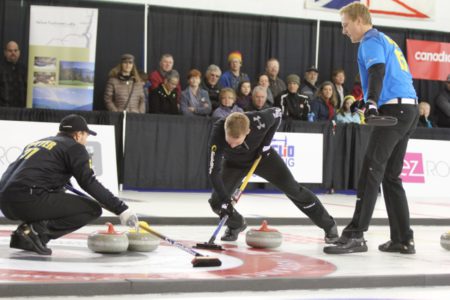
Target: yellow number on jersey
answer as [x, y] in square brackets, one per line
[27, 153]
[398, 53]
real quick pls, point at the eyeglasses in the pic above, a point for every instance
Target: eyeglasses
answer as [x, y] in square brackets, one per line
[214, 75]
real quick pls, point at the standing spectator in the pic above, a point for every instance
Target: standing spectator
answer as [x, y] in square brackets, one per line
[227, 106]
[244, 96]
[211, 85]
[163, 100]
[276, 84]
[233, 76]
[293, 104]
[345, 115]
[357, 91]
[13, 78]
[424, 115]
[157, 76]
[443, 105]
[309, 87]
[323, 106]
[388, 87]
[195, 100]
[259, 99]
[263, 81]
[125, 90]
[338, 79]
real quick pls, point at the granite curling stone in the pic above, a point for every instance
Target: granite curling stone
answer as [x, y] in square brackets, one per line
[445, 240]
[109, 241]
[264, 237]
[142, 241]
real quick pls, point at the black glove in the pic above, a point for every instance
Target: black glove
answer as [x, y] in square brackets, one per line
[371, 109]
[264, 151]
[226, 209]
[356, 105]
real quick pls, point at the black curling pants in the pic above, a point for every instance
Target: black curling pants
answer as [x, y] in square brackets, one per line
[383, 164]
[52, 214]
[274, 170]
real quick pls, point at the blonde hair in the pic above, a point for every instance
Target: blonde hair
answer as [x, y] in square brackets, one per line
[225, 91]
[357, 10]
[237, 124]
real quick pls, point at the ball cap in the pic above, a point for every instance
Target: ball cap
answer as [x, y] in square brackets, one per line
[73, 123]
[312, 69]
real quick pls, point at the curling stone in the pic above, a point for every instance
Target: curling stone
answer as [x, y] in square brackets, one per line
[264, 237]
[445, 240]
[142, 241]
[109, 241]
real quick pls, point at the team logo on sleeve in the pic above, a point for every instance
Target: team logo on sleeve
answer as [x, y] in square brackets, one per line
[260, 125]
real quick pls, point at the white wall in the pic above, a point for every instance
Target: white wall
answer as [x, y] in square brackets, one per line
[296, 9]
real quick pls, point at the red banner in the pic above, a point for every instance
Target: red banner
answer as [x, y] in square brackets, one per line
[428, 60]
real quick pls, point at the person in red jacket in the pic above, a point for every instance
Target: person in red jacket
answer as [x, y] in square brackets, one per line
[156, 77]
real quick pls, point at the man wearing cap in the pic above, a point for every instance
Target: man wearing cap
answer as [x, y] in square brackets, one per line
[309, 87]
[293, 104]
[32, 189]
[443, 105]
[233, 76]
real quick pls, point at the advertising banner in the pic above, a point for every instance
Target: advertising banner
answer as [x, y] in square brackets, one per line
[101, 147]
[61, 60]
[302, 153]
[428, 60]
[426, 168]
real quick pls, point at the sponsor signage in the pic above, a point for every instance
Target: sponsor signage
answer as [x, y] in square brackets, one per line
[428, 60]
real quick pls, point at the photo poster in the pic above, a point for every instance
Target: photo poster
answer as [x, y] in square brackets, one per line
[61, 62]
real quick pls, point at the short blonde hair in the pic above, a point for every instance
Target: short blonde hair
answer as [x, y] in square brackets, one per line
[237, 124]
[225, 91]
[357, 10]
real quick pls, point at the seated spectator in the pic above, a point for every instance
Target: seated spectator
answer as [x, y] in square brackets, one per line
[357, 91]
[277, 85]
[442, 103]
[233, 76]
[345, 115]
[293, 104]
[227, 106]
[195, 100]
[424, 115]
[163, 100]
[211, 85]
[323, 106]
[263, 81]
[259, 99]
[309, 87]
[338, 79]
[156, 77]
[13, 77]
[125, 90]
[244, 97]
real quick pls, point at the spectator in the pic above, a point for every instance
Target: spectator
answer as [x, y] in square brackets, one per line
[147, 85]
[345, 115]
[259, 99]
[244, 97]
[308, 86]
[211, 85]
[195, 100]
[443, 105]
[13, 78]
[293, 104]
[163, 100]
[227, 106]
[157, 76]
[424, 115]
[125, 90]
[276, 84]
[357, 91]
[263, 81]
[233, 76]
[338, 79]
[323, 106]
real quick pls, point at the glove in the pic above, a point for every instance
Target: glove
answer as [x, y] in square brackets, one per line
[227, 209]
[370, 109]
[264, 151]
[129, 218]
[356, 105]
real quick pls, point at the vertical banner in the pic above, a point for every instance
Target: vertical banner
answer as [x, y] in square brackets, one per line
[61, 61]
[428, 60]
